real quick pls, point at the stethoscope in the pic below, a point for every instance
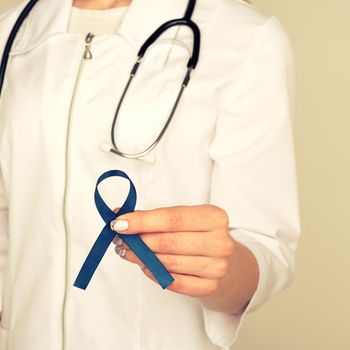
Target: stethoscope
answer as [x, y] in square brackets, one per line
[191, 65]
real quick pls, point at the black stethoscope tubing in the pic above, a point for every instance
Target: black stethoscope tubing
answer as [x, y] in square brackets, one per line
[25, 12]
[186, 20]
[191, 65]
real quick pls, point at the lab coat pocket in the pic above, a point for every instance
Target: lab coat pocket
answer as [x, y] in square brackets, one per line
[150, 97]
[146, 107]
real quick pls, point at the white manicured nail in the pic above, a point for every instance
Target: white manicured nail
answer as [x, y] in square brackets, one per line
[120, 251]
[117, 240]
[119, 225]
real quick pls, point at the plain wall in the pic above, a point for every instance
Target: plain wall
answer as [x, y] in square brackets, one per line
[313, 313]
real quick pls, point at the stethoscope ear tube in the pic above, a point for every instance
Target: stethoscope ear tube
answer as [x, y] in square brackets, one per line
[25, 12]
[176, 22]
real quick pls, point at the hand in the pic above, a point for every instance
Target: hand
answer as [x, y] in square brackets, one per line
[192, 242]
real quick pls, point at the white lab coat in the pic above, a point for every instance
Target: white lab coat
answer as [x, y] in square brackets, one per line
[230, 144]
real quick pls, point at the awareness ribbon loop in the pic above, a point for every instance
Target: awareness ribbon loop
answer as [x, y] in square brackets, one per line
[135, 243]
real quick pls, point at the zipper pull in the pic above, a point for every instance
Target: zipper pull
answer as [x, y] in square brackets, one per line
[87, 53]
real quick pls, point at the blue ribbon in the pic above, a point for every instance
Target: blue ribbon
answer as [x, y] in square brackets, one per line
[135, 243]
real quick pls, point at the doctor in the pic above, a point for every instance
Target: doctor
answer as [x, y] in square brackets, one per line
[216, 199]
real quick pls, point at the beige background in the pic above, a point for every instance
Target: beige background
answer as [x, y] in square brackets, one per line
[314, 313]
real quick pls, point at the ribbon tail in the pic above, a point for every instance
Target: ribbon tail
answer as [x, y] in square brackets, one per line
[94, 257]
[146, 255]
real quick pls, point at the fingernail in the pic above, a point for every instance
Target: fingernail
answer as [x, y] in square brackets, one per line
[117, 240]
[119, 225]
[120, 251]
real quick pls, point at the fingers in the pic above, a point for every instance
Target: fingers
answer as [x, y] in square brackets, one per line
[211, 244]
[200, 266]
[193, 276]
[172, 219]
[192, 242]
[192, 286]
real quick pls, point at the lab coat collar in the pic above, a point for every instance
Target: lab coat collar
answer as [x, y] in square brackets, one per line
[142, 18]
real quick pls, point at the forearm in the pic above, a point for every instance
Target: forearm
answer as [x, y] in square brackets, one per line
[238, 285]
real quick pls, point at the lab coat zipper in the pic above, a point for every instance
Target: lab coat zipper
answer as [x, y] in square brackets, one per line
[86, 56]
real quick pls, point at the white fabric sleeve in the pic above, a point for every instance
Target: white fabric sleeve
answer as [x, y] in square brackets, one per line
[254, 175]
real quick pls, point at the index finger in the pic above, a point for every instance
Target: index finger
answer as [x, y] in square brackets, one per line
[204, 218]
